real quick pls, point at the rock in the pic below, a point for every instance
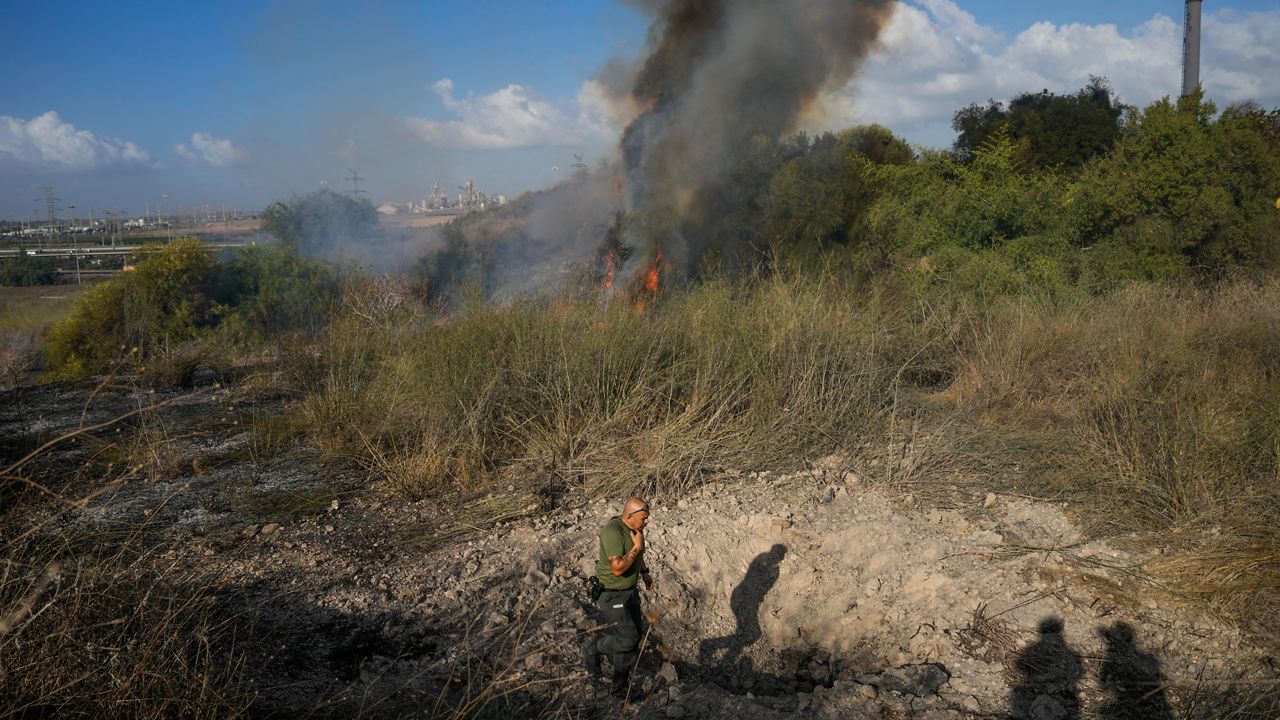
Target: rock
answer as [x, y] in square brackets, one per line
[533, 661]
[251, 531]
[668, 673]
[328, 528]
[271, 528]
[778, 528]
[675, 711]
[919, 680]
[333, 505]
[867, 691]
[829, 494]
[989, 501]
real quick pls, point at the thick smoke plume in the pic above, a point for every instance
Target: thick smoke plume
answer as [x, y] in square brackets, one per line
[719, 73]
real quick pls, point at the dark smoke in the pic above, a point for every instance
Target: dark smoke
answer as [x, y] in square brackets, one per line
[721, 72]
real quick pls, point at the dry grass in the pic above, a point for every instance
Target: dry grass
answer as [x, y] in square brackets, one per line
[1155, 410]
[25, 314]
[106, 639]
[1164, 406]
[32, 310]
[93, 624]
[594, 399]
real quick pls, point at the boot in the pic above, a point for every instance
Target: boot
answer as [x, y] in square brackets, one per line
[618, 688]
[591, 657]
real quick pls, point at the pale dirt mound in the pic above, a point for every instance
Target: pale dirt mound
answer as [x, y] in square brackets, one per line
[781, 586]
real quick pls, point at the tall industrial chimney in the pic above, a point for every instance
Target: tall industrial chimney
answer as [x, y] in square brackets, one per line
[1191, 48]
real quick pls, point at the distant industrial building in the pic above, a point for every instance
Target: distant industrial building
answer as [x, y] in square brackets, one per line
[470, 198]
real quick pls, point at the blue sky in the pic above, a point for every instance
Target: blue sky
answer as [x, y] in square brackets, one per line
[243, 102]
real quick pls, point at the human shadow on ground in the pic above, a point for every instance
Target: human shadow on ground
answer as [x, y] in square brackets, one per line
[724, 656]
[1049, 672]
[1131, 679]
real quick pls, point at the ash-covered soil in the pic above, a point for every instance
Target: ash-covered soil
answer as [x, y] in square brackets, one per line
[811, 594]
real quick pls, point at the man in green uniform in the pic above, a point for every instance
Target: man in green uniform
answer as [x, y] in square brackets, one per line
[620, 565]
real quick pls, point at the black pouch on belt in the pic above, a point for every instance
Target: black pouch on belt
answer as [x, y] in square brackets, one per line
[595, 588]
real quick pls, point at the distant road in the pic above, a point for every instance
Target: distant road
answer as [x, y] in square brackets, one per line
[69, 252]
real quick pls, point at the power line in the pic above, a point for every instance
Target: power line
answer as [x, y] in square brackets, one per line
[355, 181]
[50, 204]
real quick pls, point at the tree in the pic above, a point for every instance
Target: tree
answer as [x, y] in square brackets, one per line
[1207, 186]
[1048, 130]
[322, 223]
[818, 198]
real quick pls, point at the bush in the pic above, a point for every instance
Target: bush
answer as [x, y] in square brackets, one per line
[322, 223]
[27, 271]
[268, 290]
[179, 295]
[166, 301]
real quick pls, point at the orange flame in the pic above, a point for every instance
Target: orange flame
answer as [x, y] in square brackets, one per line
[649, 289]
[651, 276]
[610, 270]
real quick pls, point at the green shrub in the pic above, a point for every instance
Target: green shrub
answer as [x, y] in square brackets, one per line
[28, 271]
[165, 302]
[321, 222]
[268, 290]
[179, 294]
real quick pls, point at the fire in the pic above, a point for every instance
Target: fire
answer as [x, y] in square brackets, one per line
[651, 275]
[650, 286]
[610, 270]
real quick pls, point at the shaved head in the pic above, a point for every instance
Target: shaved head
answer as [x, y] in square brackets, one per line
[635, 512]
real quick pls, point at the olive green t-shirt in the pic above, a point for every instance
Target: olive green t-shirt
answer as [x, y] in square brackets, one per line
[615, 541]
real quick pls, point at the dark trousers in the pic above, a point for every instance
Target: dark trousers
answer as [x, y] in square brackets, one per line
[621, 642]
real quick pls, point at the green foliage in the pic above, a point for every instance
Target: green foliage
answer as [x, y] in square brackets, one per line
[321, 222]
[448, 266]
[1049, 130]
[819, 195]
[1186, 189]
[164, 302]
[1183, 192]
[269, 290]
[27, 271]
[179, 295]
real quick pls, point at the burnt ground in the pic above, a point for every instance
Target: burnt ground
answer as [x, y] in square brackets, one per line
[814, 594]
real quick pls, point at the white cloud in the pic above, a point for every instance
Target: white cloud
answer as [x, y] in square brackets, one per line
[514, 117]
[937, 58]
[48, 143]
[213, 151]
